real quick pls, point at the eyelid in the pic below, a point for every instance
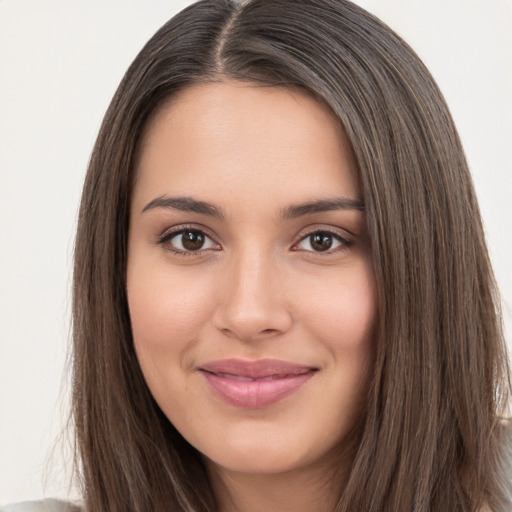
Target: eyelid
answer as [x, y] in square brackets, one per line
[183, 227]
[173, 231]
[337, 233]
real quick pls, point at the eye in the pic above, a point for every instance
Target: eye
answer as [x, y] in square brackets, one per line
[322, 241]
[188, 241]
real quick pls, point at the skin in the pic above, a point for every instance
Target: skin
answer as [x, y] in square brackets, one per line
[257, 288]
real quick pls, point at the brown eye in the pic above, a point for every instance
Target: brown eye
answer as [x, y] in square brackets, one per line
[322, 241]
[187, 241]
[192, 240]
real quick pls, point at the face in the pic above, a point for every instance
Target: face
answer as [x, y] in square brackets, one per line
[249, 282]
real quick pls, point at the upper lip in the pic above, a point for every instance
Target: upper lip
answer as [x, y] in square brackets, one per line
[258, 369]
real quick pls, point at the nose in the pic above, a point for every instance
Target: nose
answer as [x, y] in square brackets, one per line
[252, 304]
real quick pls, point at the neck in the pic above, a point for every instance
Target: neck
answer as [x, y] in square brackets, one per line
[300, 490]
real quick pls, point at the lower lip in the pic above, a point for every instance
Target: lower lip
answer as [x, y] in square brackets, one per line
[255, 394]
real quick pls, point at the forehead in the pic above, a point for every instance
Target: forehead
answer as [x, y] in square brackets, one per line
[244, 136]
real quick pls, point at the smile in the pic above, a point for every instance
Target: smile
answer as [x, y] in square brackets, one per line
[255, 384]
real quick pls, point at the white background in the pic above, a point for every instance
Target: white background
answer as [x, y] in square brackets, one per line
[60, 62]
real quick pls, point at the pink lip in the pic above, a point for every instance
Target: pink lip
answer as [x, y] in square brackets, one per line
[255, 384]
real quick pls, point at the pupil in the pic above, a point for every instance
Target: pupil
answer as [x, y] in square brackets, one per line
[192, 240]
[321, 241]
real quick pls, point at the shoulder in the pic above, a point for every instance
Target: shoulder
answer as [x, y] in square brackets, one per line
[48, 505]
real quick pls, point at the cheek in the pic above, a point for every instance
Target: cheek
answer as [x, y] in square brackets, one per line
[343, 310]
[353, 317]
[167, 313]
[344, 319]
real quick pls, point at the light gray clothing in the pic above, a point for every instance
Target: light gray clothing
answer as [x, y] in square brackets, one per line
[48, 505]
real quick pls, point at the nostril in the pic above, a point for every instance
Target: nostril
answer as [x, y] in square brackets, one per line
[268, 331]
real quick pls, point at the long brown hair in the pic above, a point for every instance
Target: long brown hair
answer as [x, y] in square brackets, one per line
[431, 437]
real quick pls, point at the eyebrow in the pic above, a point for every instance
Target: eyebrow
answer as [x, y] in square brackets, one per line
[185, 204]
[323, 205]
[188, 204]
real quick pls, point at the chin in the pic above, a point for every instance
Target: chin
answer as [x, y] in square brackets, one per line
[266, 452]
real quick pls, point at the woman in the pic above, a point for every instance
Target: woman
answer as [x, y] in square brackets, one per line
[282, 295]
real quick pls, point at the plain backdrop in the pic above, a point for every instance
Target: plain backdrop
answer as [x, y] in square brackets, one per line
[60, 62]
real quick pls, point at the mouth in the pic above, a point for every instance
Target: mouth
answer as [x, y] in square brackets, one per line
[255, 384]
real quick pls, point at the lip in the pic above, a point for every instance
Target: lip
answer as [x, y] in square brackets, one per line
[255, 384]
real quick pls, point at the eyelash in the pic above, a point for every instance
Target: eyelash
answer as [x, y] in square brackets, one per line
[344, 242]
[175, 232]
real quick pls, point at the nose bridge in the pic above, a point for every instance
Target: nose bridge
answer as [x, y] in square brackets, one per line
[253, 303]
